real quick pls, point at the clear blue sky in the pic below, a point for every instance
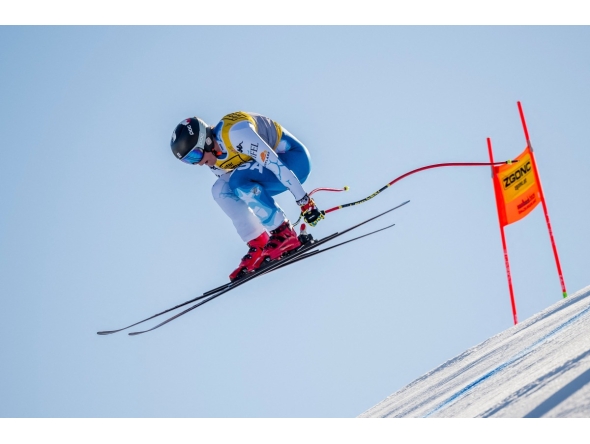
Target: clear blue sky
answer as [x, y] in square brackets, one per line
[101, 226]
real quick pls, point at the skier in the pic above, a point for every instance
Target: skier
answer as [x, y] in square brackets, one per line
[254, 159]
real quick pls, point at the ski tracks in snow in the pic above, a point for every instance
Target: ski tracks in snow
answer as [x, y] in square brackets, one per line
[528, 370]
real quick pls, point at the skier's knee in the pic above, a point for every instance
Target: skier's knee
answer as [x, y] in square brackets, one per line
[221, 191]
[217, 189]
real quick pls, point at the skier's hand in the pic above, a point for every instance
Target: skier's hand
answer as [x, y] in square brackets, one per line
[310, 211]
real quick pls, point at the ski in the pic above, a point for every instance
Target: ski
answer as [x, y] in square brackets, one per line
[272, 266]
[297, 259]
[224, 286]
[316, 252]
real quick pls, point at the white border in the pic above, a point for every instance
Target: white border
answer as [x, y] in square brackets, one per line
[290, 431]
[295, 12]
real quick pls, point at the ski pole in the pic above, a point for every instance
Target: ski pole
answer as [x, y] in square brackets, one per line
[438, 165]
[312, 192]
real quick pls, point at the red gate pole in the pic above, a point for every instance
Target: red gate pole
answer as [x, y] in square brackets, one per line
[545, 211]
[504, 248]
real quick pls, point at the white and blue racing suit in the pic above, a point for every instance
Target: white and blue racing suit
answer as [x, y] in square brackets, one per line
[259, 160]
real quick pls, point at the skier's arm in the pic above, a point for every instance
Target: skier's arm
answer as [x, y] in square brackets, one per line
[243, 133]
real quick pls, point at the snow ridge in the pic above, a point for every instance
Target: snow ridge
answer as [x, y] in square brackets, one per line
[534, 368]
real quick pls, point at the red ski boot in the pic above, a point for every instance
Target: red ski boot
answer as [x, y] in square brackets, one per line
[251, 260]
[282, 240]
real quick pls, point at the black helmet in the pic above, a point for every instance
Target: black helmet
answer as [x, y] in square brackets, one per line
[190, 139]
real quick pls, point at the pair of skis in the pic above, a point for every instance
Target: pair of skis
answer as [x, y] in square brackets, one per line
[303, 253]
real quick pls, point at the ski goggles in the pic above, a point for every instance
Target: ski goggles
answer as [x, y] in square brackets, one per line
[194, 156]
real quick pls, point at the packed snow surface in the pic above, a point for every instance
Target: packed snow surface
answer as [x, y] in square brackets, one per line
[538, 368]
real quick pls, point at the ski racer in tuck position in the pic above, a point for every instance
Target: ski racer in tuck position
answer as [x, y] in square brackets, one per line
[254, 159]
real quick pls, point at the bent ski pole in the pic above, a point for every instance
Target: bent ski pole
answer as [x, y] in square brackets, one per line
[427, 167]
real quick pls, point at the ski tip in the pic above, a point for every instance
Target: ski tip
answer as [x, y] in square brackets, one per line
[104, 333]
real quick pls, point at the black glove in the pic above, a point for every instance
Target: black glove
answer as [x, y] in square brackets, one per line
[309, 211]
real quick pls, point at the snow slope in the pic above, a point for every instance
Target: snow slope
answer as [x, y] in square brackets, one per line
[538, 368]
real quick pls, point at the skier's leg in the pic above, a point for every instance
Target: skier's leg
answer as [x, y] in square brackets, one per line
[246, 223]
[257, 185]
[248, 183]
